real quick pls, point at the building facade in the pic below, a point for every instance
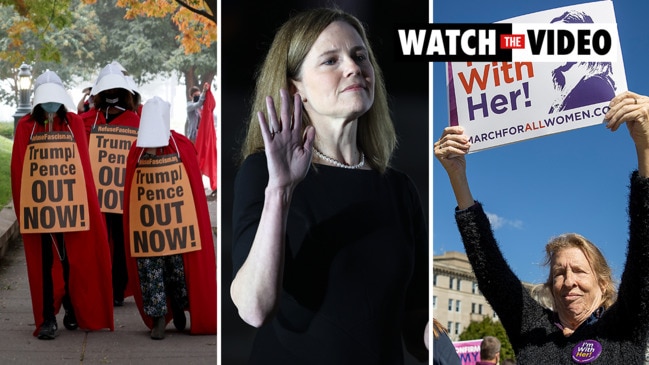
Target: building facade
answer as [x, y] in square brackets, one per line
[457, 301]
[456, 298]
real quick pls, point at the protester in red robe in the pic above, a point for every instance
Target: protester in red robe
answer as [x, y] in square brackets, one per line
[199, 267]
[115, 104]
[64, 268]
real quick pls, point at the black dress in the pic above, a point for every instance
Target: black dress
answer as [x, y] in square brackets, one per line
[356, 266]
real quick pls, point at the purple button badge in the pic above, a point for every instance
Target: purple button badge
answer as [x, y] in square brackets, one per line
[586, 351]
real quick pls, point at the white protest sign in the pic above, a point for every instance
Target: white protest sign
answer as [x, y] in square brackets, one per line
[499, 103]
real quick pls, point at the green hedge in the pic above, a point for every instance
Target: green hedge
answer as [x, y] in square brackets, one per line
[7, 129]
[5, 165]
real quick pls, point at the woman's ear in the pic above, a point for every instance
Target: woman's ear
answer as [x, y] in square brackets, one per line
[295, 87]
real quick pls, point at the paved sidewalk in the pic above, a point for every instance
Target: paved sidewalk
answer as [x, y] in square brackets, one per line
[128, 344]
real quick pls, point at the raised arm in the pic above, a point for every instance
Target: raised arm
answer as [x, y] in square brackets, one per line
[82, 101]
[450, 150]
[497, 282]
[256, 286]
[633, 110]
[191, 105]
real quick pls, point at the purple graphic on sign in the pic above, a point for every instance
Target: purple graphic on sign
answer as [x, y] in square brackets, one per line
[581, 83]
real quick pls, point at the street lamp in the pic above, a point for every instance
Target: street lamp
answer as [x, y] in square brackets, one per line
[25, 89]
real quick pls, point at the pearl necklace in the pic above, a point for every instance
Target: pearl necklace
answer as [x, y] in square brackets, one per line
[337, 163]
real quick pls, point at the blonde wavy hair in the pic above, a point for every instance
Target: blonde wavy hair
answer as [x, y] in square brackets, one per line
[376, 136]
[594, 256]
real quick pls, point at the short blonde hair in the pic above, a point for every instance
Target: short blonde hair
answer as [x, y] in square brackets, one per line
[595, 258]
[376, 136]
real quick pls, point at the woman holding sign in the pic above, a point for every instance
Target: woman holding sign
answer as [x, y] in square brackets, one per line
[168, 234]
[588, 320]
[330, 244]
[64, 234]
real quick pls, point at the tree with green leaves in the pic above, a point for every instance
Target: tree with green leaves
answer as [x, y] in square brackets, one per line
[487, 327]
[78, 37]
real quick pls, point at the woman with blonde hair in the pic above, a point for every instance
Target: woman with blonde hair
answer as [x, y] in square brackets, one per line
[376, 134]
[330, 247]
[586, 321]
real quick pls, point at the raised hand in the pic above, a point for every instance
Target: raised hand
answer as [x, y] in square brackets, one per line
[288, 150]
[451, 148]
[632, 109]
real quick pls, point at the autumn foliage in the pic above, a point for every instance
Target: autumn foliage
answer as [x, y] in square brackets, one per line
[195, 19]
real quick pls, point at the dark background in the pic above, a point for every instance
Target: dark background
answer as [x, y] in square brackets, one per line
[246, 33]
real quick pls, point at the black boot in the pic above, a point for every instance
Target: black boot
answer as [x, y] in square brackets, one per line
[48, 330]
[158, 330]
[70, 320]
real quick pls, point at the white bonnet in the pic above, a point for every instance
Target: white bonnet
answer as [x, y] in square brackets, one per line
[111, 77]
[155, 124]
[48, 88]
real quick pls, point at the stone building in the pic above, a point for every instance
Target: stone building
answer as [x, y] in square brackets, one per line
[456, 298]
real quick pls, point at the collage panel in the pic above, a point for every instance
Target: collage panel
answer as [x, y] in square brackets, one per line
[108, 163]
[539, 179]
[341, 251]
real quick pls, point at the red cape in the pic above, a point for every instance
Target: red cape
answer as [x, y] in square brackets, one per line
[206, 140]
[200, 266]
[88, 253]
[127, 119]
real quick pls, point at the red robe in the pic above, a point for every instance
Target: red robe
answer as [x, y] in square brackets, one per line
[127, 119]
[88, 253]
[206, 140]
[200, 266]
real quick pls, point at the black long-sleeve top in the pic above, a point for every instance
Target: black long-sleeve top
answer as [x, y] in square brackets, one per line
[621, 330]
[356, 266]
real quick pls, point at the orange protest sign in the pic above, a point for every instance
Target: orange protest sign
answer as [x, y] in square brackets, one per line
[53, 196]
[162, 214]
[109, 146]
